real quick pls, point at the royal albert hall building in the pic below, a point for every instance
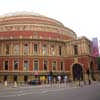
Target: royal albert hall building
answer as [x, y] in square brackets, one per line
[32, 45]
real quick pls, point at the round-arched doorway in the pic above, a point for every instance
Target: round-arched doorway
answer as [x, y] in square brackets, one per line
[77, 72]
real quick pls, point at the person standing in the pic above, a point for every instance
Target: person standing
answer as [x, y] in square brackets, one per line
[59, 80]
[65, 80]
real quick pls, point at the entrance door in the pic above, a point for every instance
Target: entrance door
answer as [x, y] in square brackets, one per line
[77, 72]
[5, 78]
[25, 78]
[15, 77]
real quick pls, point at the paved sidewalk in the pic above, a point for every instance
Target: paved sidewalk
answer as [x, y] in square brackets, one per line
[62, 85]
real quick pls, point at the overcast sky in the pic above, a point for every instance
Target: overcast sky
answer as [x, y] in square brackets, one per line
[82, 16]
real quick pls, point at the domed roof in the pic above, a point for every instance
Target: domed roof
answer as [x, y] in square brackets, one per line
[26, 24]
[22, 13]
[29, 15]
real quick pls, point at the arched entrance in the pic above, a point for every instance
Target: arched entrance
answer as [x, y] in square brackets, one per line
[77, 72]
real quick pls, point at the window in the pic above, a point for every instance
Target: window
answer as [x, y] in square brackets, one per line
[16, 49]
[75, 49]
[6, 65]
[54, 65]
[44, 49]
[16, 63]
[62, 66]
[52, 51]
[35, 48]
[45, 65]
[26, 65]
[26, 49]
[60, 51]
[7, 49]
[35, 65]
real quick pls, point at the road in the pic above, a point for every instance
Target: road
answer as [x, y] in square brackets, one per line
[51, 93]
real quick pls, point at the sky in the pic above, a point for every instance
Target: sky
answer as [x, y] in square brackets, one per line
[82, 16]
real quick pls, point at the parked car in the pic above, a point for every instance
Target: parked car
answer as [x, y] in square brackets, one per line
[34, 82]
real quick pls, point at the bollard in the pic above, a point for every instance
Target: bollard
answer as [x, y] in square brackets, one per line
[15, 84]
[59, 84]
[5, 83]
[76, 84]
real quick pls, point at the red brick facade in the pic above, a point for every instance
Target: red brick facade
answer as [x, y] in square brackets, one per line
[54, 43]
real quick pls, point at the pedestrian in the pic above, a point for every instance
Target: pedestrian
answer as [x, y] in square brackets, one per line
[59, 80]
[50, 80]
[65, 80]
[89, 82]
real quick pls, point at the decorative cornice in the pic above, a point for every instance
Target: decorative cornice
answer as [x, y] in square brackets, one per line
[36, 27]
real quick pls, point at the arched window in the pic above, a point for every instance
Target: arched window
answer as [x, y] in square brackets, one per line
[35, 48]
[16, 64]
[26, 49]
[60, 50]
[45, 64]
[54, 65]
[26, 65]
[62, 66]
[44, 49]
[36, 65]
[7, 49]
[16, 49]
[6, 64]
[52, 50]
